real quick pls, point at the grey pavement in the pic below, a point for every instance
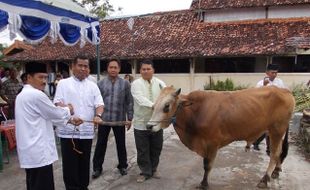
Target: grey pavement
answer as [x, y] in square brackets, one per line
[181, 169]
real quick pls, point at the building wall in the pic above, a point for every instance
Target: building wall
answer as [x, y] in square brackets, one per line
[183, 81]
[289, 11]
[235, 14]
[252, 13]
[244, 79]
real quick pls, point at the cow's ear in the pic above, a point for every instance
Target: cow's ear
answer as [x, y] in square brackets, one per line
[182, 99]
[177, 92]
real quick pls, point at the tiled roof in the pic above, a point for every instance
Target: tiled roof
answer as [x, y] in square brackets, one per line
[299, 42]
[179, 34]
[47, 51]
[220, 4]
[17, 46]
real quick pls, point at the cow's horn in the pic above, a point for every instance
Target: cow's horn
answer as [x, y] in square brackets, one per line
[177, 92]
[160, 86]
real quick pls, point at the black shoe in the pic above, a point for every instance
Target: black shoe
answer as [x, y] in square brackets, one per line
[96, 174]
[256, 147]
[123, 171]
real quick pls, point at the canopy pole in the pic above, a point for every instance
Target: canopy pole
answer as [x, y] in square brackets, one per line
[98, 61]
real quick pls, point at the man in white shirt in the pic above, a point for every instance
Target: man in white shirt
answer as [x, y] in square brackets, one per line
[269, 80]
[145, 91]
[86, 98]
[35, 115]
[271, 77]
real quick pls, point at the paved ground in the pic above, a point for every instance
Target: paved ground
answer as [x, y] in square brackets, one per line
[181, 169]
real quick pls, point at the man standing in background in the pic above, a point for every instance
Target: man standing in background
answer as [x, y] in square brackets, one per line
[9, 91]
[269, 80]
[117, 97]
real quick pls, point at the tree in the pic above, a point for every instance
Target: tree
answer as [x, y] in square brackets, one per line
[100, 8]
[1, 54]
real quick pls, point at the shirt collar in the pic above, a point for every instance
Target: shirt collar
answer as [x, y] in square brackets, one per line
[151, 81]
[78, 80]
[110, 79]
[27, 86]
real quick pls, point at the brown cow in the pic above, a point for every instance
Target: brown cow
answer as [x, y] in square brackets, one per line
[208, 120]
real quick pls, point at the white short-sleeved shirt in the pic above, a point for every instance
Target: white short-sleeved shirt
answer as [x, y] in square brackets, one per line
[35, 115]
[85, 97]
[276, 82]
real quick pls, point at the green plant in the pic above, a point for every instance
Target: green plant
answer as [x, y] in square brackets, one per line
[302, 97]
[227, 85]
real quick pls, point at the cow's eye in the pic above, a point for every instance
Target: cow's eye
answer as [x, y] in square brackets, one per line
[166, 108]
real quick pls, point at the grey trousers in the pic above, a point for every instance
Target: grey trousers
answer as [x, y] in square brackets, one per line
[149, 145]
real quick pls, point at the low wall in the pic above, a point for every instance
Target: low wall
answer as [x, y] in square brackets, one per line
[246, 79]
[197, 81]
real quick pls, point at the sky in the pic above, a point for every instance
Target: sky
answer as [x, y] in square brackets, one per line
[131, 7]
[136, 7]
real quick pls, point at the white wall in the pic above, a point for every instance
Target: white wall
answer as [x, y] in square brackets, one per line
[289, 11]
[221, 15]
[246, 79]
[252, 13]
[183, 81]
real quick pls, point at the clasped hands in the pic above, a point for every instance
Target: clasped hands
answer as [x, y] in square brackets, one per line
[78, 121]
[73, 120]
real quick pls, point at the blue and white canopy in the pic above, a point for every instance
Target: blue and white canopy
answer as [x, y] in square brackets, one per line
[33, 20]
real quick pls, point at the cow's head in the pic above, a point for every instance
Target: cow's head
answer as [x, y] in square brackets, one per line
[164, 109]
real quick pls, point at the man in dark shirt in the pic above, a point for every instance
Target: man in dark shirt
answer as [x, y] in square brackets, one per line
[118, 101]
[9, 90]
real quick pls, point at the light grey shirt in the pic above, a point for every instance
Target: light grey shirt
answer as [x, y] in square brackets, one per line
[144, 94]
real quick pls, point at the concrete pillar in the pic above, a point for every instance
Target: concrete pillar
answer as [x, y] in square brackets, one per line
[192, 74]
[134, 67]
[56, 67]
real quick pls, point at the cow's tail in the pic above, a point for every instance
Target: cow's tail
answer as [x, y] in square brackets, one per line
[284, 147]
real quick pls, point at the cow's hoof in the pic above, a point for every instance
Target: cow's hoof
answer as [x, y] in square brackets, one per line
[276, 173]
[202, 187]
[262, 185]
[247, 148]
[263, 182]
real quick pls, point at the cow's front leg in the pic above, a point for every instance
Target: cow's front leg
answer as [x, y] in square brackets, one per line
[204, 183]
[248, 146]
[207, 165]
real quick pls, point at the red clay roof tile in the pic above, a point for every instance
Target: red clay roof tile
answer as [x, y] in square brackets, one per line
[179, 34]
[222, 4]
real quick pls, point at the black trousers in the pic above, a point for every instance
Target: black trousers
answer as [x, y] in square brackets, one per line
[260, 139]
[40, 178]
[52, 89]
[149, 145]
[101, 146]
[75, 166]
